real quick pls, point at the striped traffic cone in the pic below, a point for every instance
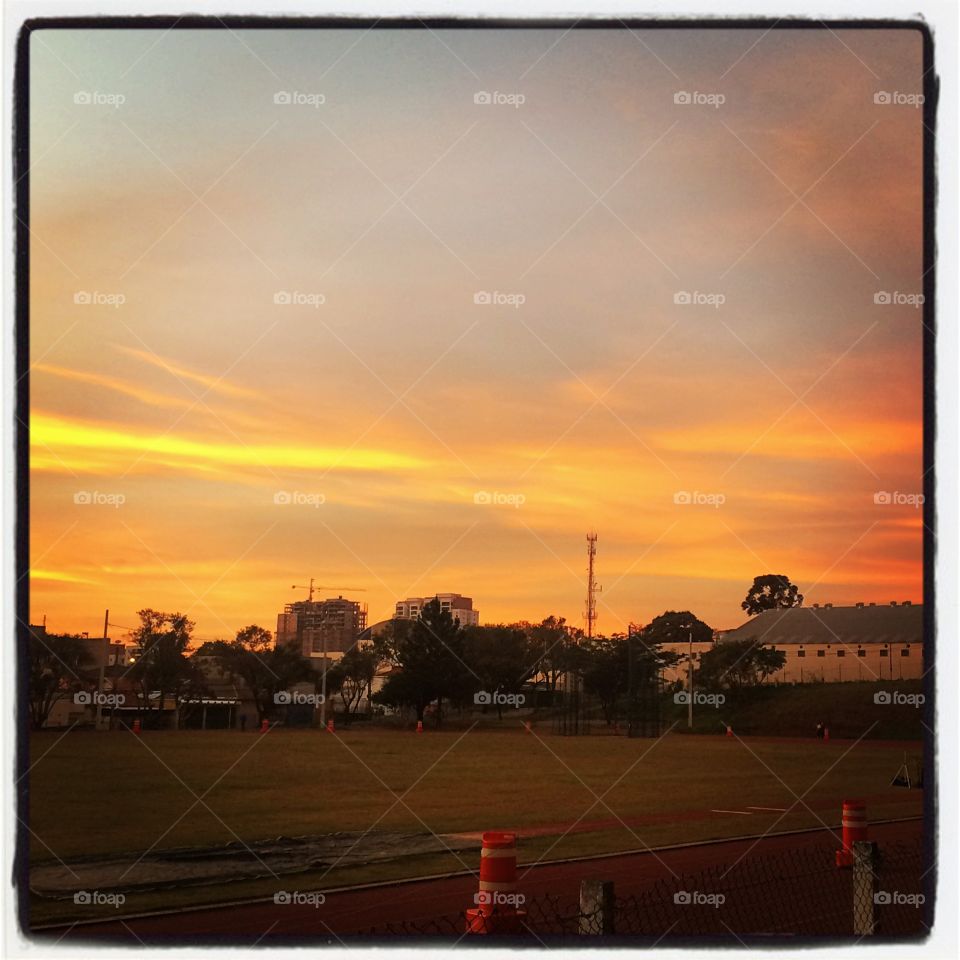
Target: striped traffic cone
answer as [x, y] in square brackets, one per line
[854, 829]
[497, 899]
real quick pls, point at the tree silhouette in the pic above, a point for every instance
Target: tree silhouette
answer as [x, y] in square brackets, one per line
[772, 591]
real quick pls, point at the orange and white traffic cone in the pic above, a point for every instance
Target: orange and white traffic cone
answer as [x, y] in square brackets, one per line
[729, 730]
[265, 726]
[419, 726]
[826, 733]
[854, 829]
[331, 726]
[136, 727]
[497, 899]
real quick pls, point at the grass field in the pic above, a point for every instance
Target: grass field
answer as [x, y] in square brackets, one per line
[105, 794]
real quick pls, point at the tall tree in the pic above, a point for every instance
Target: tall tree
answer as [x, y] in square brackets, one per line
[771, 592]
[430, 655]
[499, 657]
[552, 645]
[162, 667]
[675, 627]
[264, 669]
[56, 666]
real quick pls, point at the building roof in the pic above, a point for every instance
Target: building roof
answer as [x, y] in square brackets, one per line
[824, 625]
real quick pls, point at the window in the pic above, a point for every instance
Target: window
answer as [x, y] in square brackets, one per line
[841, 653]
[801, 653]
[904, 652]
[884, 653]
[861, 653]
[821, 653]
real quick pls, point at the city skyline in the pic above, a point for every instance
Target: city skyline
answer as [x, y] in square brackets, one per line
[406, 338]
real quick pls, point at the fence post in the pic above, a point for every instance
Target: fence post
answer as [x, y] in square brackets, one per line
[597, 904]
[864, 887]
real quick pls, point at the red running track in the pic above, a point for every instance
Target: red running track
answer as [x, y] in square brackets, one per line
[353, 911]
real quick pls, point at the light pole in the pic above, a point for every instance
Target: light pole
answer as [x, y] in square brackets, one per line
[690, 681]
[323, 683]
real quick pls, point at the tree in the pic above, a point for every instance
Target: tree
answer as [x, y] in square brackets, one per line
[162, 666]
[264, 669]
[771, 591]
[352, 676]
[607, 660]
[552, 645]
[429, 653]
[499, 657]
[675, 627]
[737, 664]
[56, 664]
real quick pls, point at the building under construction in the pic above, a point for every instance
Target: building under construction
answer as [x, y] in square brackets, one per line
[317, 625]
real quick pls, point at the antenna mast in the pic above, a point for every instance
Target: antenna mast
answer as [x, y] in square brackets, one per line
[592, 587]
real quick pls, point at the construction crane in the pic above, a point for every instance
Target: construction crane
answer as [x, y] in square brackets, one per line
[324, 586]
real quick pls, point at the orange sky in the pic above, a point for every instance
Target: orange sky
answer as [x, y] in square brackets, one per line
[190, 402]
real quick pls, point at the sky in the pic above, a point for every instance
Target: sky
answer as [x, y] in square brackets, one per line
[413, 310]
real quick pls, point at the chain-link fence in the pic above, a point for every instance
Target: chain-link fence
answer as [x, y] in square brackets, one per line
[799, 892]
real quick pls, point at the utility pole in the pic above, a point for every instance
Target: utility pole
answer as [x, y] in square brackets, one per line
[690, 681]
[323, 684]
[103, 664]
